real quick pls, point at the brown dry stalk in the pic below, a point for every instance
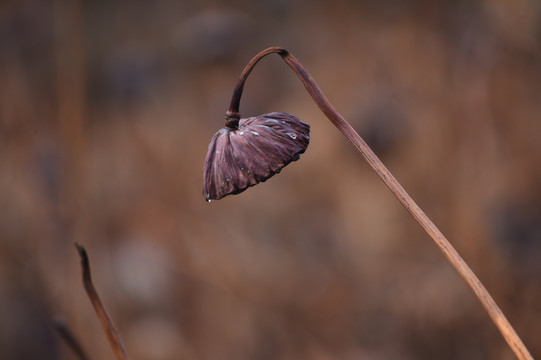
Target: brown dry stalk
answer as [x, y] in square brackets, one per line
[70, 339]
[445, 246]
[105, 320]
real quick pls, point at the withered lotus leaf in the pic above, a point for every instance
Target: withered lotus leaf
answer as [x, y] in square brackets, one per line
[259, 148]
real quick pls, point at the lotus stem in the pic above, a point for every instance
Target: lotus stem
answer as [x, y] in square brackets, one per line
[233, 116]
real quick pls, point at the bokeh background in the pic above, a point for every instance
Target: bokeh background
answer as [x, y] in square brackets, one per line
[106, 110]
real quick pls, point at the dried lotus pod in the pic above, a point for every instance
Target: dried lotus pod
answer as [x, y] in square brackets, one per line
[259, 147]
[235, 162]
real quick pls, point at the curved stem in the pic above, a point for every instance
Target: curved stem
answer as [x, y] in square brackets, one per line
[232, 115]
[513, 340]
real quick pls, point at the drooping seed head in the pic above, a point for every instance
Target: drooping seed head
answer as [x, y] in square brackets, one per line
[253, 152]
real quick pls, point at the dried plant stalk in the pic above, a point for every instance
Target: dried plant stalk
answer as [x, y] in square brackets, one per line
[232, 119]
[105, 320]
[70, 339]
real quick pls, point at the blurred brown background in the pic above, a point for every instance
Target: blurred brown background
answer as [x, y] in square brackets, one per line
[106, 110]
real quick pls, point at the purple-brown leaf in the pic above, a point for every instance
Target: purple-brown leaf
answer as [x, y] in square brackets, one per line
[258, 149]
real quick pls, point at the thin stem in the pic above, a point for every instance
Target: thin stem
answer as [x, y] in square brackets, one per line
[509, 334]
[70, 339]
[105, 319]
[232, 115]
